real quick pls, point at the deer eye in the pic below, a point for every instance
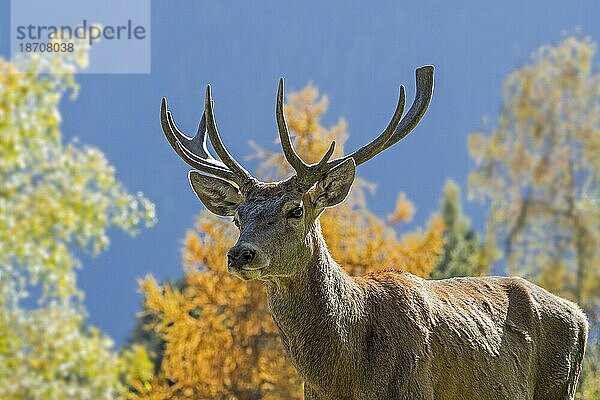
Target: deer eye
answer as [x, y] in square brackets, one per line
[296, 212]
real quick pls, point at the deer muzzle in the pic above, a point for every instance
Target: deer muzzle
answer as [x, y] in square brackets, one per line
[243, 256]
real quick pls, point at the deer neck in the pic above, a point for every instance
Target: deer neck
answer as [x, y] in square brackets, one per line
[318, 311]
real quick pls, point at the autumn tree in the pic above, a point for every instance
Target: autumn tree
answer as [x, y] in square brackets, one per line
[590, 384]
[55, 199]
[141, 335]
[539, 168]
[464, 254]
[220, 341]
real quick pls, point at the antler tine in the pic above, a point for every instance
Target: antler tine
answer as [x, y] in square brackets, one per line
[192, 150]
[378, 144]
[240, 173]
[284, 136]
[399, 128]
[424, 80]
[325, 160]
[307, 174]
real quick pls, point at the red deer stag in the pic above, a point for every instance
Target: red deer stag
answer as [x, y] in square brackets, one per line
[387, 335]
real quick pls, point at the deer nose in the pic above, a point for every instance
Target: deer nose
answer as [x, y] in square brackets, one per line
[240, 255]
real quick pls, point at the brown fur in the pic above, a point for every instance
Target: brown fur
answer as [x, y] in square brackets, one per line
[392, 335]
[388, 335]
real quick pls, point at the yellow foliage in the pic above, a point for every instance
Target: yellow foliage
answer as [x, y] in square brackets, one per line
[220, 340]
[540, 170]
[404, 211]
[55, 198]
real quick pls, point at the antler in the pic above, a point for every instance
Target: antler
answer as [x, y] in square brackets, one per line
[304, 170]
[397, 129]
[194, 151]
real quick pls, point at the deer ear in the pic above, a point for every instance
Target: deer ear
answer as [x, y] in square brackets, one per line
[333, 188]
[218, 195]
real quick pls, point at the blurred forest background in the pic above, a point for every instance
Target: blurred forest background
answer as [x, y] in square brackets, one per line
[209, 335]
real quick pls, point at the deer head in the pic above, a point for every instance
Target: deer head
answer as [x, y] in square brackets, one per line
[278, 220]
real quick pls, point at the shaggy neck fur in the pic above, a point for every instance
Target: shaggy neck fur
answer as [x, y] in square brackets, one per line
[319, 313]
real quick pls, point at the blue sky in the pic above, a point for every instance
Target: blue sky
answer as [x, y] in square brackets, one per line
[357, 55]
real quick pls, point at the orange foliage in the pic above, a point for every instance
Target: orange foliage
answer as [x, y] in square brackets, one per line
[404, 211]
[220, 340]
